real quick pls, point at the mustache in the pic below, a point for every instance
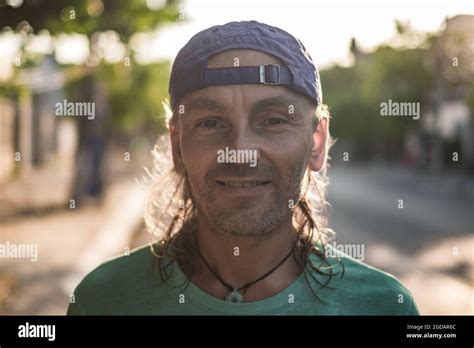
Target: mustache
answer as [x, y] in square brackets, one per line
[263, 171]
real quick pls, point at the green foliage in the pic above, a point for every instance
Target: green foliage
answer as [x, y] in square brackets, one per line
[134, 92]
[135, 96]
[350, 112]
[470, 98]
[397, 75]
[354, 94]
[87, 16]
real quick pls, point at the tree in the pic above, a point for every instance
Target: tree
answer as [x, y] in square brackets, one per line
[127, 95]
[354, 95]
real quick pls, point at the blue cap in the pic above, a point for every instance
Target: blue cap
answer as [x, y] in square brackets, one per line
[190, 71]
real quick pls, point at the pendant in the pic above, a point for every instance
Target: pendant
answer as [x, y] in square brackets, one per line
[234, 296]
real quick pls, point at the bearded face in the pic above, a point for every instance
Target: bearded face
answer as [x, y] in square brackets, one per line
[238, 197]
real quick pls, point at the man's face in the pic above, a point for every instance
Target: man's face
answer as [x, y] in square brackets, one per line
[277, 125]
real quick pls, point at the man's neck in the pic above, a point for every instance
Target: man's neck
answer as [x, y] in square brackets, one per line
[240, 260]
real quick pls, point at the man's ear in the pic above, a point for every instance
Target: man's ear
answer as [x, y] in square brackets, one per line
[318, 152]
[175, 148]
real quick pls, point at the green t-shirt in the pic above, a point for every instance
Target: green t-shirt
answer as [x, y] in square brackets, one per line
[128, 285]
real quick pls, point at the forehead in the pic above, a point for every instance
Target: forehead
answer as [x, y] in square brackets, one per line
[226, 98]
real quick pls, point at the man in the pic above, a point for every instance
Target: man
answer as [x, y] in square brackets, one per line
[249, 137]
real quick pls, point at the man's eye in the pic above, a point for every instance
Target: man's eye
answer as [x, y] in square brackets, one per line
[275, 121]
[208, 124]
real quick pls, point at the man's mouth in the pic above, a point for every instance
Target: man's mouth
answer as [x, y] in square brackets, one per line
[242, 183]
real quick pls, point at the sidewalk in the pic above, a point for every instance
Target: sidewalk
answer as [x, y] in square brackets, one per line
[70, 244]
[44, 190]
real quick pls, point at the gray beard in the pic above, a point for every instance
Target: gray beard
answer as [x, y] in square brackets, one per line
[248, 221]
[255, 223]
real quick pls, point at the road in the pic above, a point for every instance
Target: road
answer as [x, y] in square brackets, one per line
[428, 243]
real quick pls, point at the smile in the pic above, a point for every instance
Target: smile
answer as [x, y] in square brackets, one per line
[242, 184]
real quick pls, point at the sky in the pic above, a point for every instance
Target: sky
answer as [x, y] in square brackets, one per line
[324, 26]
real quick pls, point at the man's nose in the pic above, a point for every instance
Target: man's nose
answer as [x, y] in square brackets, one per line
[243, 137]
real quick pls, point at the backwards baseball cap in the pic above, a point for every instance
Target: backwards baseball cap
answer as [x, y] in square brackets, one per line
[190, 70]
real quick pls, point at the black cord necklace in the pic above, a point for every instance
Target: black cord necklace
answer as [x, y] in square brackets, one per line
[235, 295]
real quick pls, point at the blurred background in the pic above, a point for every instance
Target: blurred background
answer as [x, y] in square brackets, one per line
[74, 187]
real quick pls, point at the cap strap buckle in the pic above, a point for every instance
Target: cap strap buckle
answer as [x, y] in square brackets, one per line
[263, 74]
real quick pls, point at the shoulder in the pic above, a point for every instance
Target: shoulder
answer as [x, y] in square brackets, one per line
[367, 289]
[114, 270]
[105, 285]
